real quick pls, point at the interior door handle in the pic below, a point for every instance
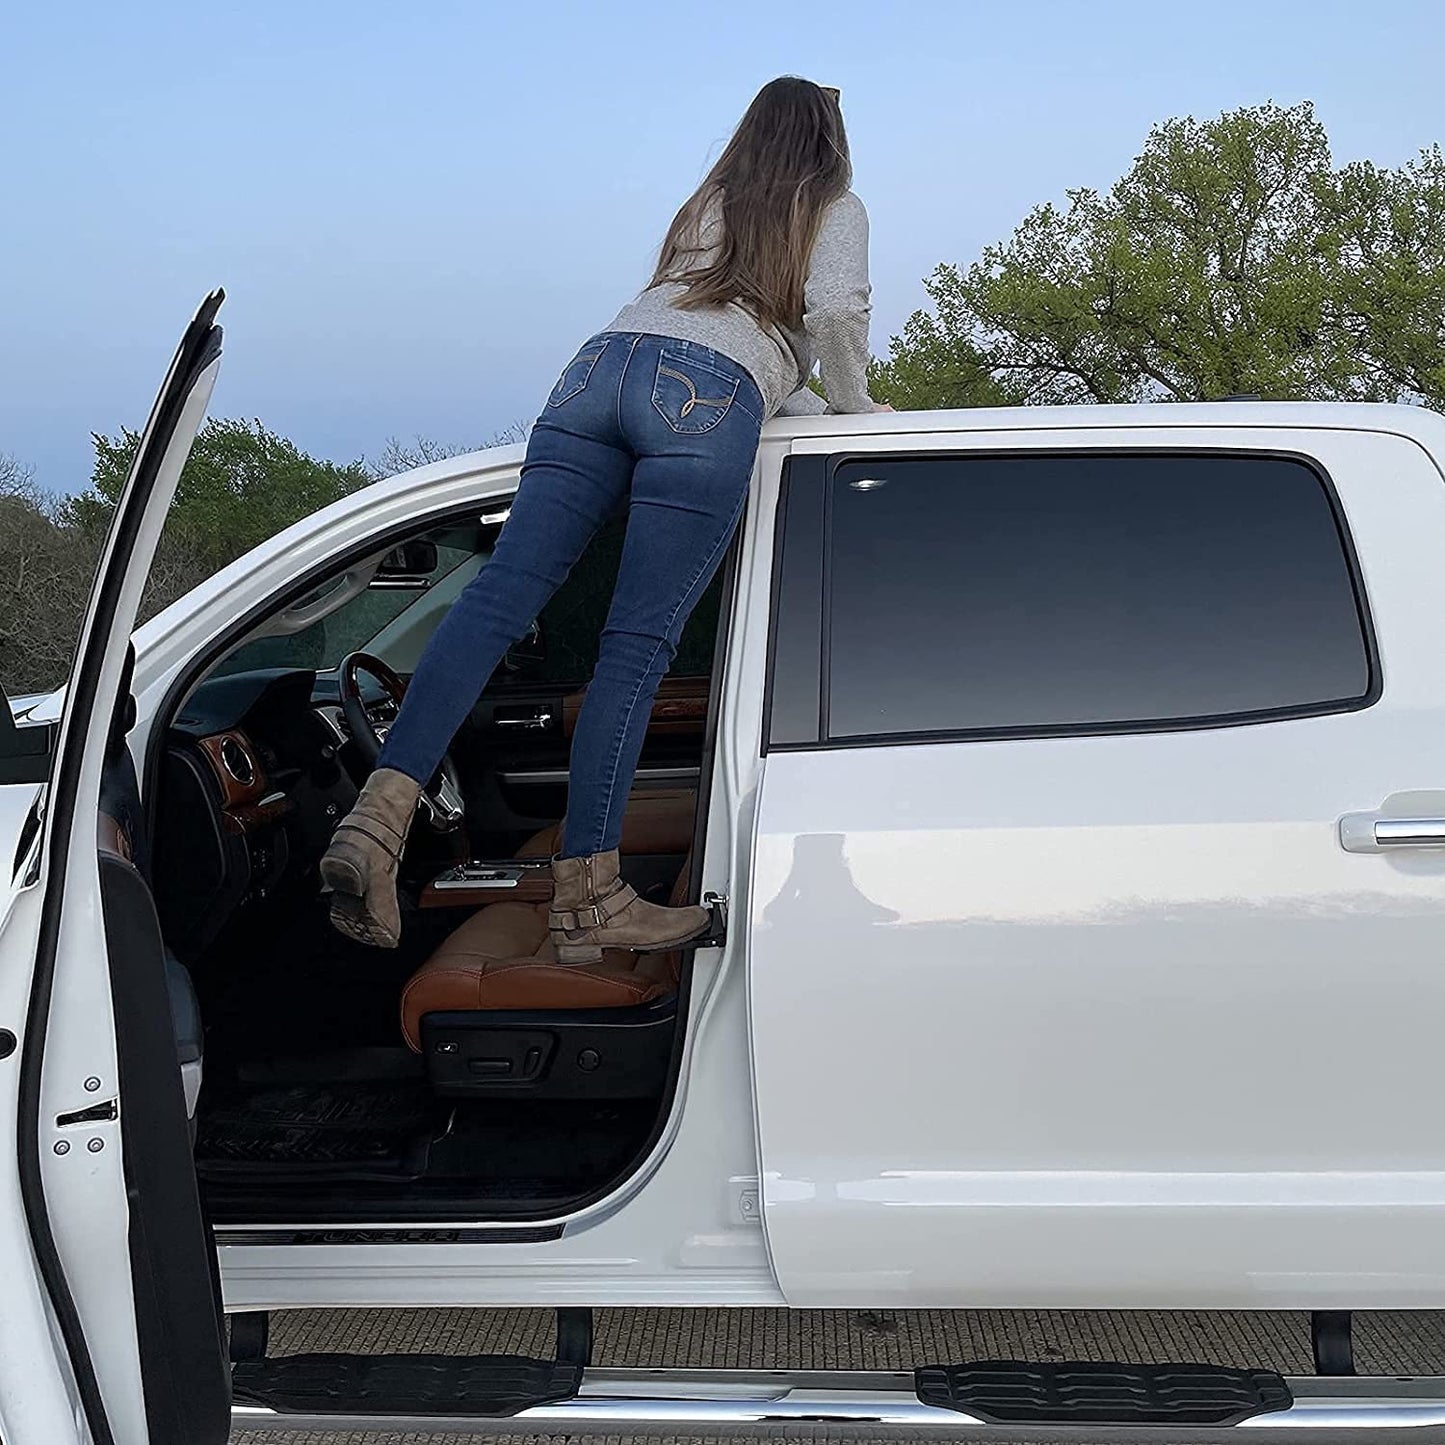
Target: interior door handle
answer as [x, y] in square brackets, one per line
[533, 722]
[1370, 833]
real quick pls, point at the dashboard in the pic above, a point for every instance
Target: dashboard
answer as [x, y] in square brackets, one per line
[257, 771]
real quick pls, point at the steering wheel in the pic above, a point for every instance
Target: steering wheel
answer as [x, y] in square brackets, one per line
[441, 802]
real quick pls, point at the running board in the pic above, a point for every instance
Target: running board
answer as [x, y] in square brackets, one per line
[1018, 1392]
[333, 1386]
[661, 1403]
[328, 1386]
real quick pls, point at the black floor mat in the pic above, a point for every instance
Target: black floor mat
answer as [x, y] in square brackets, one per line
[511, 1156]
[375, 1129]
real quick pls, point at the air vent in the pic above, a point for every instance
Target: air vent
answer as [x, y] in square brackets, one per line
[237, 761]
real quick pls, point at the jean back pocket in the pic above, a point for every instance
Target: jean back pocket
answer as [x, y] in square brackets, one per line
[577, 373]
[689, 395]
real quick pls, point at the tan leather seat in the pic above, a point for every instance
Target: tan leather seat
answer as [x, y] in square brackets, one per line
[502, 958]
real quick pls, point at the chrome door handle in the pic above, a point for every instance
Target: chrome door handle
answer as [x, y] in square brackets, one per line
[533, 722]
[1410, 832]
[1370, 833]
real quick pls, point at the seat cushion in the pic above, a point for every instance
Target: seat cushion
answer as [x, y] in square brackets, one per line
[502, 958]
[659, 821]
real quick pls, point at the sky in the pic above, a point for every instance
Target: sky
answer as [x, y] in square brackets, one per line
[419, 210]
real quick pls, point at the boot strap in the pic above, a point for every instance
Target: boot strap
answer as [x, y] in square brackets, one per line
[382, 823]
[597, 914]
[348, 825]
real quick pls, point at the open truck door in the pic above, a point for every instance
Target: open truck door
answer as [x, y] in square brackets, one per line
[113, 1330]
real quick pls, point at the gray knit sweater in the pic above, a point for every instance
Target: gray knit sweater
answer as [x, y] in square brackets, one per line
[834, 332]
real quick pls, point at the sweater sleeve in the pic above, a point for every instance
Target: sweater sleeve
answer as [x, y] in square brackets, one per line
[803, 402]
[836, 305]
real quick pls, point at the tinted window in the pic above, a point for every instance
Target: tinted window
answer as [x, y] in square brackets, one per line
[572, 622]
[1033, 593]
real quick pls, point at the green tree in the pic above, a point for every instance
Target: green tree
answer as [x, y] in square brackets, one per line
[1386, 295]
[1230, 258]
[45, 576]
[242, 484]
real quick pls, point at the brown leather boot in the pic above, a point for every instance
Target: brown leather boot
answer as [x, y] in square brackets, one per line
[358, 870]
[593, 909]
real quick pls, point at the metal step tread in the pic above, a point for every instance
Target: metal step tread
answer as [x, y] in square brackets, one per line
[488, 1386]
[1019, 1392]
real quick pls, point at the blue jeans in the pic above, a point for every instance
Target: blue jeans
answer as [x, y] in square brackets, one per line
[672, 428]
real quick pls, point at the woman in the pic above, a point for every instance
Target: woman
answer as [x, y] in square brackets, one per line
[763, 270]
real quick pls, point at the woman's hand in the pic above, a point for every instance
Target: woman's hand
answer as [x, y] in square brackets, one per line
[881, 406]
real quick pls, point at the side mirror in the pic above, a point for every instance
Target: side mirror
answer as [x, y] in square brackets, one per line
[530, 647]
[409, 565]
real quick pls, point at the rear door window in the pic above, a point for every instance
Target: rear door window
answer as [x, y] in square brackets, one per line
[1031, 595]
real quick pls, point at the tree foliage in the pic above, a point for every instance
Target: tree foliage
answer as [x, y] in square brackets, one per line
[1387, 300]
[45, 575]
[241, 484]
[1230, 258]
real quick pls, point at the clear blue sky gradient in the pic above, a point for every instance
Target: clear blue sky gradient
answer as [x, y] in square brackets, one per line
[417, 210]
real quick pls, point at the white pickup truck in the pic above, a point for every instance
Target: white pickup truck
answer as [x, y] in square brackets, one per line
[1068, 787]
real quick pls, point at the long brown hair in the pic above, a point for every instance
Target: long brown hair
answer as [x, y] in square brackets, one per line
[786, 163]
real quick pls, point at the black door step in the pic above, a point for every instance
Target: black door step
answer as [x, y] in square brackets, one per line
[491, 1385]
[1020, 1392]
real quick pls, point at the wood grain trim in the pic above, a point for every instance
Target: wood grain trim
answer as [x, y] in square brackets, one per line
[235, 794]
[680, 708]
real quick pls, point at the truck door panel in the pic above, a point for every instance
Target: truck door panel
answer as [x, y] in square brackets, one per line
[1084, 1002]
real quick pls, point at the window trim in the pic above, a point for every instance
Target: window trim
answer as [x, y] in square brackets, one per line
[825, 742]
[799, 474]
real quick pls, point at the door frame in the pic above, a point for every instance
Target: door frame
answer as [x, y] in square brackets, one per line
[539, 1227]
[130, 542]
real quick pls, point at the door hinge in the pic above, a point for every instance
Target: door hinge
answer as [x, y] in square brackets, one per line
[92, 1114]
[717, 929]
